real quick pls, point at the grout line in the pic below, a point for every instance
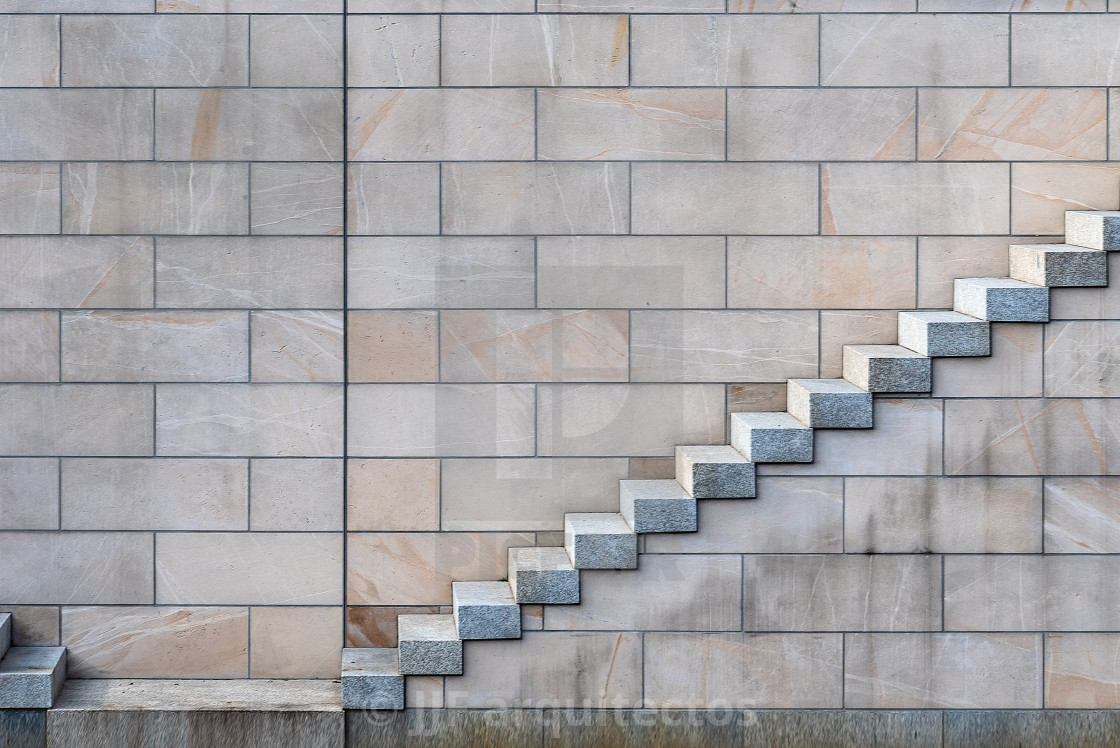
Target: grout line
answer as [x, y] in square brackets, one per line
[345, 316]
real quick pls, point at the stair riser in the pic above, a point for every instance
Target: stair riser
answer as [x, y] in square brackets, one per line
[1059, 269]
[1003, 305]
[488, 621]
[1093, 231]
[944, 338]
[602, 551]
[822, 410]
[773, 445]
[707, 478]
[5, 633]
[31, 677]
[431, 658]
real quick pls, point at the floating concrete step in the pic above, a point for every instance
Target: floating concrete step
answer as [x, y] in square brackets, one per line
[771, 437]
[656, 506]
[371, 679]
[829, 403]
[715, 472]
[1058, 265]
[600, 541]
[942, 333]
[886, 368]
[31, 677]
[485, 610]
[5, 632]
[543, 576]
[1001, 299]
[1093, 229]
[429, 645]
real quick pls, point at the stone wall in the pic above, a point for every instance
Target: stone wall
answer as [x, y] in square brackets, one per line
[309, 313]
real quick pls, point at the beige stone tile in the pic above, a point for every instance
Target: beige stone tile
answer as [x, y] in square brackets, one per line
[296, 198]
[29, 493]
[711, 346]
[1082, 515]
[302, 50]
[1031, 593]
[33, 625]
[724, 198]
[77, 6]
[943, 671]
[249, 568]
[624, 420]
[296, 495]
[393, 496]
[1038, 43]
[906, 440]
[300, 346]
[295, 642]
[534, 346]
[29, 198]
[393, 50]
[630, 272]
[441, 272]
[1042, 193]
[418, 568]
[154, 494]
[441, 6]
[825, 272]
[915, 199]
[61, 124]
[942, 515]
[541, 50]
[1013, 370]
[76, 419]
[155, 198]
[914, 50]
[797, 124]
[841, 593]
[156, 642]
[377, 626]
[1030, 437]
[637, 124]
[840, 328]
[718, 50]
[1081, 671]
[537, 198]
[248, 125]
[75, 272]
[536, 670]
[249, 6]
[155, 50]
[254, 420]
[1089, 303]
[942, 259]
[30, 342]
[280, 272]
[1013, 6]
[1081, 359]
[820, 6]
[791, 515]
[743, 398]
[31, 54]
[394, 199]
[666, 593]
[424, 691]
[442, 124]
[76, 568]
[992, 124]
[441, 420]
[393, 347]
[155, 346]
[627, 6]
[798, 671]
[532, 494]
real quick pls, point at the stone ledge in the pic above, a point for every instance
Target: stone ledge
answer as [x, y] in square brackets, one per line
[113, 695]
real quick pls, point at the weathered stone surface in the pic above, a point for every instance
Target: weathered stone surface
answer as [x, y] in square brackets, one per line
[1049, 728]
[371, 679]
[657, 506]
[762, 729]
[1058, 265]
[444, 728]
[1082, 515]
[944, 334]
[31, 677]
[23, 728]
[429, 645]
[829, 404]
[1080, 359]
[1093, 229]
[715, 472]
[1001, 300]
[63, 124]
[600, 541]
[295, 641]
[296, 50]
[771, 437]
[74, 272]
[29, 199]
[886, 368]
[1013, 370]
[29, 493]
[543, 575]
[486, 610]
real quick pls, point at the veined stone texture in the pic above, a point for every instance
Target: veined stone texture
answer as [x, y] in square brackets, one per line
[310, 309]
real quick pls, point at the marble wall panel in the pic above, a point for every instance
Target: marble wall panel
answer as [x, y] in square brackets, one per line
[29, 493]
[394, 346]
[290, 495]
[393, 495]
[392, 50]
[34, 625]
[76, 419]
[941, 259]
[31, 53]
[296, 50]
[1042, 193]
[393, 199]
[1037, 44]
[296, 346]
[296, 198]
[295, 642]
[76, 272]
[30, 342]
[1081, 671]
[65, 124]
[76, 568]
[1013, 370]
[1082, 359]
[1082, 515]
[859, 327]
[29, 198]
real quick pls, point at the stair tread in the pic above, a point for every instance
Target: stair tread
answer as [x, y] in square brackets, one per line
[942, 317]
[827, 386]
[713, 453]
[885, 351]
[597, 523]
[374, 661]
[999, 283]
[426, 627]
[540, 558]
[482, 593]
[31, 660]
[1071, 248]
[769, 420]
[665, 488]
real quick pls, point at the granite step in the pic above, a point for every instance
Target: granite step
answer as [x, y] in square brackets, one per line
[485, 610]
[1001, 299]
[944, 333]
[886, 368]
[1093, 229]
[429, 645]
[656, 506]
[543, 576]
[600, 541]
[31, 677]
[829, 403]
[5, 633]
[1058, 265]
[771, 437]
[715, 472]
[371, 679]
